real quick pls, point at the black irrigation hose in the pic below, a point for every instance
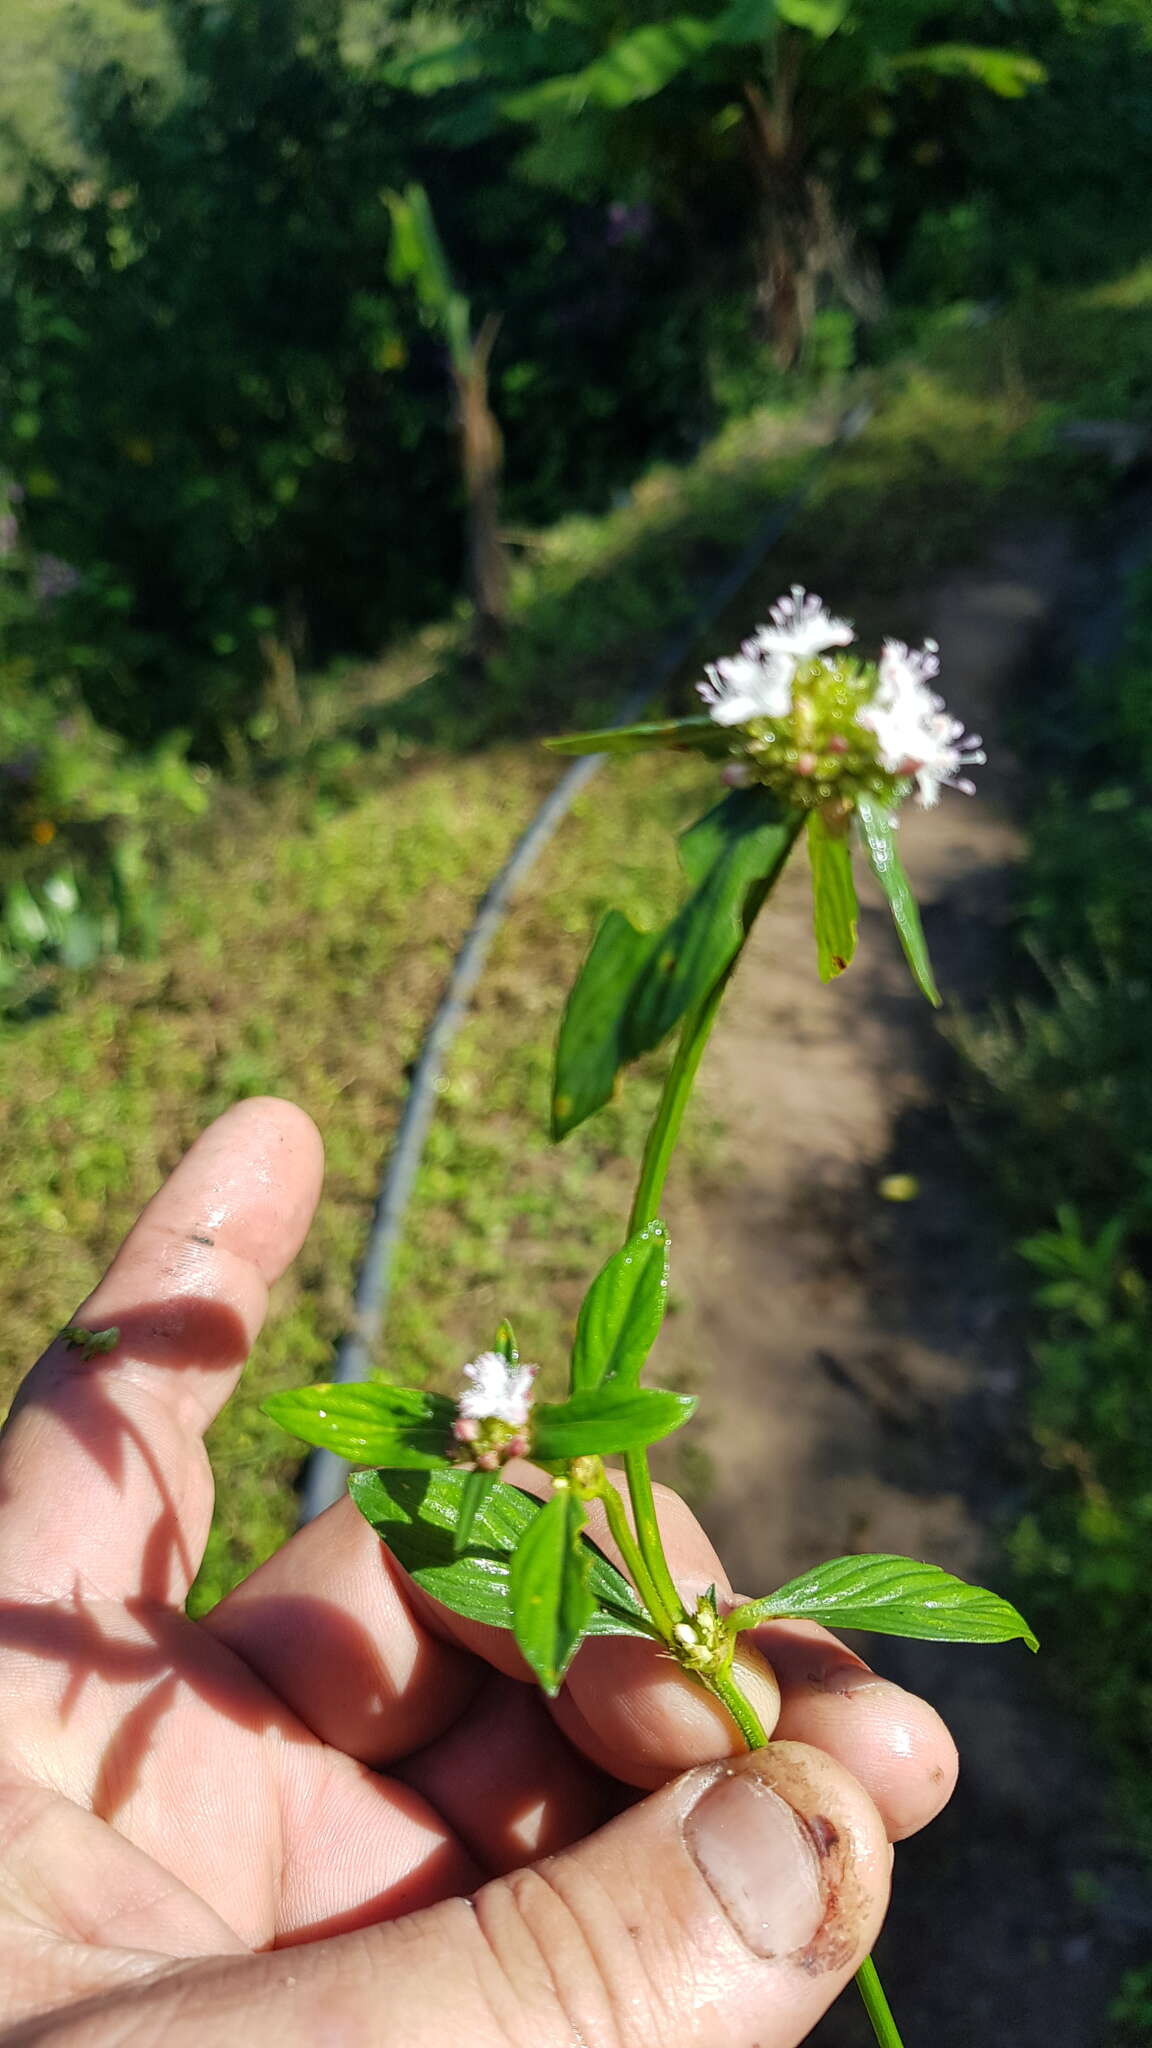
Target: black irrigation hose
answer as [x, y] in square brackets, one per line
[325, 1474]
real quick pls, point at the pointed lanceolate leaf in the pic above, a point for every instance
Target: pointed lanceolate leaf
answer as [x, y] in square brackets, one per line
[699, 733]
[894, 1596]
[415, 1514]
[622, 1312]
[635, 987]
[506, 1344]
[552, 1598]
[369, 1424]
[834, 906]
[879, 832]
[607, 1421]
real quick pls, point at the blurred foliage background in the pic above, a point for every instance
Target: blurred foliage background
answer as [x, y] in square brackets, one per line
[380, 383]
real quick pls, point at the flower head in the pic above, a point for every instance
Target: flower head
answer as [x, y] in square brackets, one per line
[492, 1412]
[497, 1391]
[915, 734]
[757, 682]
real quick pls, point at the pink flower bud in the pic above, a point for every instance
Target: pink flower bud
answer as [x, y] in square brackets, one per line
[487, 1461]
[465, 1431]
[737, 774]
[837, 744]
[805, 764]
[517, 1447]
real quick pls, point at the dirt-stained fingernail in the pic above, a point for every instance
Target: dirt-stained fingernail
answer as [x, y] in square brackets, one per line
[759, 1860]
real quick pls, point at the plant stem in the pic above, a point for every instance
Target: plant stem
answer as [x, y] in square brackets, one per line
[867, 1981]
[745, 1716]
[876, 2005]
[648, 1533]
[665, 1617]
[669, 1116]
[651, 1564]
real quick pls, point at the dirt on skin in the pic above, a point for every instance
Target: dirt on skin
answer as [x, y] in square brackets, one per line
[862, 1360]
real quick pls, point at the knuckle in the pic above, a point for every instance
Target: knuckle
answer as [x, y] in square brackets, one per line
[572, 1964]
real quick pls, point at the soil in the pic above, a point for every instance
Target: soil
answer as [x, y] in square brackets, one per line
[863, 1359]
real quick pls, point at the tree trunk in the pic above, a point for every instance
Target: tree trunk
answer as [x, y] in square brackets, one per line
[784, 292]
[482, 451]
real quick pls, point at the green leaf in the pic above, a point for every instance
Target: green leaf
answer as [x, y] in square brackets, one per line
[506, 1344]
[894, 1596]
[879, 832]
[416, 1514]
[1007, 73]
[473, 1494]
[635, 987]
[552, 1599]
[635, 68]
[742, 811]
[593, 1043]
[368, 1423]
[821, 18]
[606, 1421]
[834, 906]
[701, 733]
[748, 21]
[705, 936]
[417, 257]
[621, 1313]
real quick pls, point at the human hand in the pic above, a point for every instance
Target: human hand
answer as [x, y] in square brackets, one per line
[332, 1813]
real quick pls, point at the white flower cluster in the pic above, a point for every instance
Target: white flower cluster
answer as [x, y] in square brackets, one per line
[492, 1412]
[757, 682]
[915, 737]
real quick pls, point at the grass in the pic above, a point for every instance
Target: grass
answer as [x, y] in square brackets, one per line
[312, 919]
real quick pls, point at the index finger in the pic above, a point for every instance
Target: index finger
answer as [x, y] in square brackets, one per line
[104, 1482]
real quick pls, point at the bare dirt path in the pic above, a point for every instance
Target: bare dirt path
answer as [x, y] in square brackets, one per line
[863, 1359]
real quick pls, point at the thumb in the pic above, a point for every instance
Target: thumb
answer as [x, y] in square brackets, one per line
[726, 1911]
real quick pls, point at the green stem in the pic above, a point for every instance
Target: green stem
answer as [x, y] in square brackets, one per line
[876, 2005]
[745, 1716]
[867, 1981]
[648, 1533]
[652, 1564]
[665, 1130]
[664, 1616]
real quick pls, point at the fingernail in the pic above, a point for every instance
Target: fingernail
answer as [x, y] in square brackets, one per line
[758, 1859]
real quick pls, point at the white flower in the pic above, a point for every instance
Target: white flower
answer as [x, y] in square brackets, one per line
[801, 627]
[902, 667]
[748, 685]
[497, 1391]
[757, 682]
[915, 734]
